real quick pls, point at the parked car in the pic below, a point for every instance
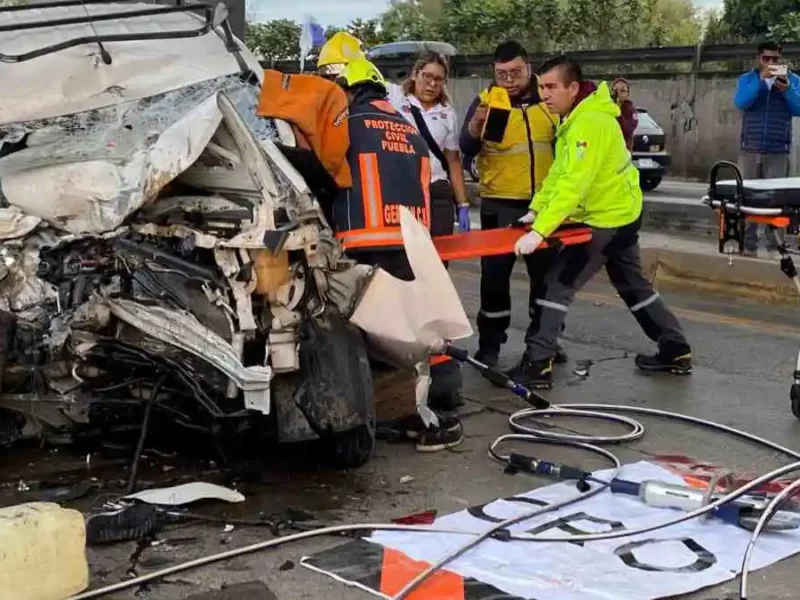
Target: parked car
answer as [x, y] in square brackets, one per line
[409, 48]
[650, 155]
[396, 58]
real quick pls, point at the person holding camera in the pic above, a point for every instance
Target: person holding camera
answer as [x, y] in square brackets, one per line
[769, 97]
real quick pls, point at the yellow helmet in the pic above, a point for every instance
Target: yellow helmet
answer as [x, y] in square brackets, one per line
[361, 71]
[337, 52]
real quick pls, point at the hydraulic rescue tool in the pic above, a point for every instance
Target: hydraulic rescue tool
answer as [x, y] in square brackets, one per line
[745, 511]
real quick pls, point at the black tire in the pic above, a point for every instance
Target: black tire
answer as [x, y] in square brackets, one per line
[352, 449]
[648, 184]
[338, 401]
[794, 395]
[473, 169]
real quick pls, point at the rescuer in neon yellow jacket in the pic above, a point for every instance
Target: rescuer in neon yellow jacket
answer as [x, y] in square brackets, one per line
[593, 182]
[599, 187]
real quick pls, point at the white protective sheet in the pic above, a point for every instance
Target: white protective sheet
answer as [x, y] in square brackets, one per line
[668, 562]
[408, 319]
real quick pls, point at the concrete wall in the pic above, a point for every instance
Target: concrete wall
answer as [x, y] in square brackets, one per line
[698, 133]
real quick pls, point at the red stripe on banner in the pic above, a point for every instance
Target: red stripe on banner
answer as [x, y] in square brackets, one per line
[698, 474]
[398, 570]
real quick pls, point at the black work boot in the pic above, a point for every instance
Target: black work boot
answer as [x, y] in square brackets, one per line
[536, 374]
[675, 359]
[488, 355]
[449, 434]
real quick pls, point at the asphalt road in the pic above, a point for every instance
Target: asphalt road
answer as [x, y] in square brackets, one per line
[677, 190]
[744, 358]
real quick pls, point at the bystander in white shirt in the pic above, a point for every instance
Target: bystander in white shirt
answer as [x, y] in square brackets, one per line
[441, 120]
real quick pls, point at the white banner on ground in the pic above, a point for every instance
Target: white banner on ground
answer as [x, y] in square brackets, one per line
[677, 560]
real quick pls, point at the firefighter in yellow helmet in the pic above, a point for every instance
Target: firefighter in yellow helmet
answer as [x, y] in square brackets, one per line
[390, 164]
[337, 52]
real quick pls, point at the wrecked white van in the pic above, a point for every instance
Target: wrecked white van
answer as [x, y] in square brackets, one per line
[162, 259]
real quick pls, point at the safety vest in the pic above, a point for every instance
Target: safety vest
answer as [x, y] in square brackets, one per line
[390, 165]
[517, 166]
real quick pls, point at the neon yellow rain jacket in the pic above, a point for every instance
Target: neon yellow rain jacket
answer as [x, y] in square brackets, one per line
[592, 180]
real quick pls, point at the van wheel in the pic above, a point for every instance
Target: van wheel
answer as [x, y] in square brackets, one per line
[353, 448]
[648, 184]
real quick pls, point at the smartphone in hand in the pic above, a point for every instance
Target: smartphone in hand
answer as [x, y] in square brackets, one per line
[779, 71]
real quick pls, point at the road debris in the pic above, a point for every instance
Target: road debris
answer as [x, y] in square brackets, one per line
[187, 494]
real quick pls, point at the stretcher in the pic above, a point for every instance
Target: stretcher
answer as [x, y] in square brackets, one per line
[769, 201]
[494, 242]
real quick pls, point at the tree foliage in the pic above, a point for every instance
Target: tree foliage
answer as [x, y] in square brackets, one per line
[475, 26]
[755, 20]
[786, 28]
[274, 40]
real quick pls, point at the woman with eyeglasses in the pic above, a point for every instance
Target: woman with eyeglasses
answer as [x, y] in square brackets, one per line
[423, 101]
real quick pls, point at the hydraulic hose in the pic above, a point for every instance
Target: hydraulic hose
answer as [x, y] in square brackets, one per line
[503, 525]
[528, 434]
[769, 511]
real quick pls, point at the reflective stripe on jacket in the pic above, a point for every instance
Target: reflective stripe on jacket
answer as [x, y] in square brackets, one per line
[391, 167]
[516, 167]
[593, 180]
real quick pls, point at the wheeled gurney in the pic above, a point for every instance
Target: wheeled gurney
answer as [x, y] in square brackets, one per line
[769, 201]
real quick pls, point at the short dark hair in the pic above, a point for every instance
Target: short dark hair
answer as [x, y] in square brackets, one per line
[570, 70]
[769, 47]
[509, 50]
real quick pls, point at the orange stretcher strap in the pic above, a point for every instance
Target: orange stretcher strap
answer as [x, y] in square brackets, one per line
[774, 221]
[493, 242]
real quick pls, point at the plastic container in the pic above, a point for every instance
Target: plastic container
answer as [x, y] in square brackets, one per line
[42, 552]
[272, 270]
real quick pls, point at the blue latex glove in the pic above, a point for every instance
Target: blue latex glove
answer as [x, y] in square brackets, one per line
[463, 218]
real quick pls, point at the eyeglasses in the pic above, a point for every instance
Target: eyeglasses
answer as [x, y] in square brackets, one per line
[431, 79]
[771, 58]
[511, 75]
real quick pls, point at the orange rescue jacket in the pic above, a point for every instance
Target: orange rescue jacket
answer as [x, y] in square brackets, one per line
[317, 108]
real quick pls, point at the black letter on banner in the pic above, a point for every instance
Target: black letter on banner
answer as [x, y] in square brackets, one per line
[479, 513]
[565, 524]
[705, 559]
[477, 590]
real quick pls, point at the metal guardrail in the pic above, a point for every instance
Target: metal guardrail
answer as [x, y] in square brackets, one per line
[674, 54]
